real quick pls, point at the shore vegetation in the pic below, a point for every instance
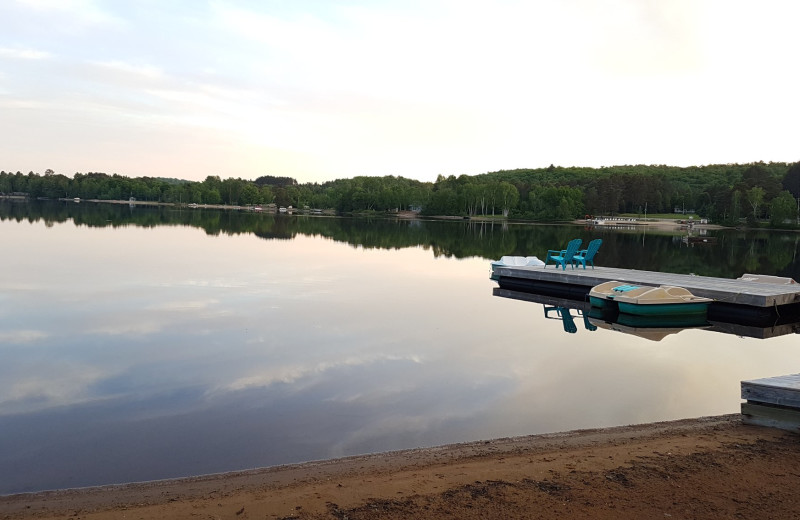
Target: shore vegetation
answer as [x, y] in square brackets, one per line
[760, 193]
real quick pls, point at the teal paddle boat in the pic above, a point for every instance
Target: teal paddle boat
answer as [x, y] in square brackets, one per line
[642, 300]
[602, 296]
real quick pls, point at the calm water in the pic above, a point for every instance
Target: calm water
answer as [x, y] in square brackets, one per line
[142, 344]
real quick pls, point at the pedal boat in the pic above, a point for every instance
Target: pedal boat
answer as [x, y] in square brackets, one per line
[602, 296]
[642, 300]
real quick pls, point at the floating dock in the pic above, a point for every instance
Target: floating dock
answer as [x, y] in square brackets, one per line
[772, 401]
[748, 300]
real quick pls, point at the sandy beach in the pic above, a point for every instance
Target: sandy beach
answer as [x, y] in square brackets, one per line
[712, 467]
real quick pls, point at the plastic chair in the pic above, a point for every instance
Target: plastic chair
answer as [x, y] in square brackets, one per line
[564, 256]
[587, 255]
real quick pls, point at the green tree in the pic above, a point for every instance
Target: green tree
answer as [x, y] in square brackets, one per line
[5, 183]
[231, 190]
[212, 196]
[556, 203]
[508, 196]
[266, 195]
[755, 196]
[791, 181]
[759, 175]
[782, 209]
[250, 194]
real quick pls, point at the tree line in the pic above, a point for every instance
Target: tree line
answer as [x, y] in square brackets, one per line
[736, 251]
[726, 193]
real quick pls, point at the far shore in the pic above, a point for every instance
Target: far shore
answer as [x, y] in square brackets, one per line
[710, 467]
[661, 223]
[679, 222]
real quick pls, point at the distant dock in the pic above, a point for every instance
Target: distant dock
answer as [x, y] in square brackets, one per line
[752, 300]
[772, 401]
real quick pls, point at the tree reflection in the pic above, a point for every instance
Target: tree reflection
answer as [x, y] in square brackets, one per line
[730, 254]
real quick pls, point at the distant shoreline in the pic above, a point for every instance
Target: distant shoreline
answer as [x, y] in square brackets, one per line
[677, 223]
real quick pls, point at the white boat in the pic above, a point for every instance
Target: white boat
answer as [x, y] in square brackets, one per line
[518, 261]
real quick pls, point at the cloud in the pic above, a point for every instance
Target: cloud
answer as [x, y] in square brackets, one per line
[326, 90]
[54, 384]
[130, 70]
[22, 336]
[183, 305]
[127, 327]
[82, 12]
[646, 38]
[23, 53]
[294, 373]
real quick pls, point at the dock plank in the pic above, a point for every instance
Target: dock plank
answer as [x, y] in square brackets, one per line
[772, 401]
[778, 390]
[770, 416]
[724, 290]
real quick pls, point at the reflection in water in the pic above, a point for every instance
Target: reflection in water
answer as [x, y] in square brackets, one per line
[172, 345]
[564, 313]
[654, 328]
[725, 253]
[651, 328]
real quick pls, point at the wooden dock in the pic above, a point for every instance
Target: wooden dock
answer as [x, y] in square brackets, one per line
[772, 401]
[722, 290]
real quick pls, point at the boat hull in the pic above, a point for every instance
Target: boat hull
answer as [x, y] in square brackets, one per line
[594, 301]
[680, 321]
[663, 309]
[602, 303]
[640, 300]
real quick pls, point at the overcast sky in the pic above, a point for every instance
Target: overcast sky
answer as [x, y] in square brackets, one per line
[319, 90]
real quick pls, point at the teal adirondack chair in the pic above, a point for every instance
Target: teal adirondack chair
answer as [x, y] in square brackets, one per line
[564, 256]
[587, 255]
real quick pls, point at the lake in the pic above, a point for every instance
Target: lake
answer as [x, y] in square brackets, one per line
[143, 343]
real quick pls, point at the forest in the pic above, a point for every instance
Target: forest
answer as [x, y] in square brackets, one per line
[737, 251]
[724, 193]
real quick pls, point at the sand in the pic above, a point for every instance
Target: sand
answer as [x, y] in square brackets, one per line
[713, 467]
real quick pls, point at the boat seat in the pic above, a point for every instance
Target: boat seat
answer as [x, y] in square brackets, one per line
[625, 288]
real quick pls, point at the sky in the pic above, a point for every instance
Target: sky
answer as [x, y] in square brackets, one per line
[320, 90]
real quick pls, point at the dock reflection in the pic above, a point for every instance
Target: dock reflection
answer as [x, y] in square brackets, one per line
[652, 328]
[565, 314]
